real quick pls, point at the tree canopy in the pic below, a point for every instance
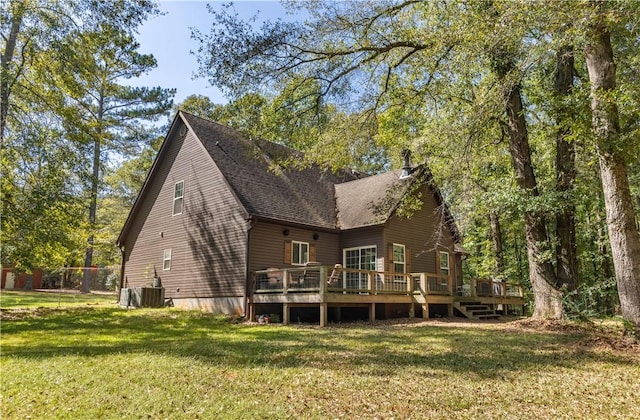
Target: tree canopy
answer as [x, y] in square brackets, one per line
[66, 112]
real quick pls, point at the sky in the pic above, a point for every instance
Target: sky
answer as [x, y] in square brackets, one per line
[168, 38]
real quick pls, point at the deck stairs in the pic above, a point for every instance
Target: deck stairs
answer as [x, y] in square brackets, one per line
[476, 310]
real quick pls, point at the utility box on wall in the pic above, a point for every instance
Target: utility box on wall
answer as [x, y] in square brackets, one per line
[142, 297]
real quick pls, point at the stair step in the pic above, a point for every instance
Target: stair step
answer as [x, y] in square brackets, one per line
[492, 316]
[476, 310]
[483, 312]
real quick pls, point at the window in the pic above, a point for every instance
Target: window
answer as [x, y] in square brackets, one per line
[299, 253]
[166, 260]
[362, 258]
[178, 198]
[444, 263]
[399, 263]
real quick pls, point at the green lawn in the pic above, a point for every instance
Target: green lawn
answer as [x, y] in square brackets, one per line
[100, 362]
[12, 299]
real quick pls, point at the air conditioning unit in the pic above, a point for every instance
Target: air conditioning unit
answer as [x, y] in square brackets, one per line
[142, 297]
[125, 298]
[148, 297]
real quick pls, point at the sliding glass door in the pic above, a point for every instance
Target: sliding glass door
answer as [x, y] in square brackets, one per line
[361, 258]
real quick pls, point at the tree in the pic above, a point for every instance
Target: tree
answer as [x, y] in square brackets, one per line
[66, 62]
[384, 60]
[610, 147]
[480, 67]
[103, 116]
[284, 120]
[42, 217]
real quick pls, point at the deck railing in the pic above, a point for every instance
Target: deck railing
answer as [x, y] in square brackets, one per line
[490, 288]
[349, 280]
[327, 279]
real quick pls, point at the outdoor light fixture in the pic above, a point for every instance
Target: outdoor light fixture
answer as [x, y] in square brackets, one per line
[285, 232]
[407, 170]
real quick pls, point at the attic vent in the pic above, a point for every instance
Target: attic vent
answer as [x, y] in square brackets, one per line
[183, 130]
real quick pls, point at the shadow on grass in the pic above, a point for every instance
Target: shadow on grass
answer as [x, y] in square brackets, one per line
[430, 350]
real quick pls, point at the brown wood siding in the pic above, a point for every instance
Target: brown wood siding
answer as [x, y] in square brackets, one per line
[267, 245]
[365, 237]
[208, 240]
[423, 235]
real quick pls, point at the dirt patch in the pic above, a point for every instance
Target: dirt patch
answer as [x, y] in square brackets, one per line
[600, 335]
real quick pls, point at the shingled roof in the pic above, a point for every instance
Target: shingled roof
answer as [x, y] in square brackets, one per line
[309, 196]
[266, 189]
[369, 201]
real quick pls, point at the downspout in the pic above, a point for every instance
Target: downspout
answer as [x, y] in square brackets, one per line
[122, 253]
[251, 222]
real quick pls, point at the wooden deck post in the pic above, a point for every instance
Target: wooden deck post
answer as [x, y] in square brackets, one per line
[252, 312]
[372, 312]
[285, 281]
[323, 281]
[450, 310]
[425, 311]
[286, 314]
[323, 314]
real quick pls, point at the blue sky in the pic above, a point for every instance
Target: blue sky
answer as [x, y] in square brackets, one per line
[168, 38]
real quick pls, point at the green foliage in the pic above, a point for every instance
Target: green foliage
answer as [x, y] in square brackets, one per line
[333, 139]
[68, 112]
[592, 300]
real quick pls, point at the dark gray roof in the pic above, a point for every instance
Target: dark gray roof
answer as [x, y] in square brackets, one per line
[368, 201]
[264, 187]
[308, 196]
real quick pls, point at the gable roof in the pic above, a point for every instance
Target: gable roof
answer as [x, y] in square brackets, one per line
[266, 189]
[309, 196]
[369, 201]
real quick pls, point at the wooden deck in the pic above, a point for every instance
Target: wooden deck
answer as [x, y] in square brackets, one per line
[325, 287]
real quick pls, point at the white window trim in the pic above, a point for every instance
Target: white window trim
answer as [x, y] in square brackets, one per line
[403, 262]
[173, 209]
[293, 246]
[448, 267]
[344, 253]
[166, 258]
[360, 276]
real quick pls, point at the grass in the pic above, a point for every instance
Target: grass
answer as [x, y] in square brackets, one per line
[12, 299]
[103, 362]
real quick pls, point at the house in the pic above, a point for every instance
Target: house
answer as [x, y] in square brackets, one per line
[13, 279]
[224, 226]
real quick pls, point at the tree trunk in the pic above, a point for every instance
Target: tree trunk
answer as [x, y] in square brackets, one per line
[17, 14]
[623, 232]
[93, 204]
[547, 298]
[496, 239]
[566, 251]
